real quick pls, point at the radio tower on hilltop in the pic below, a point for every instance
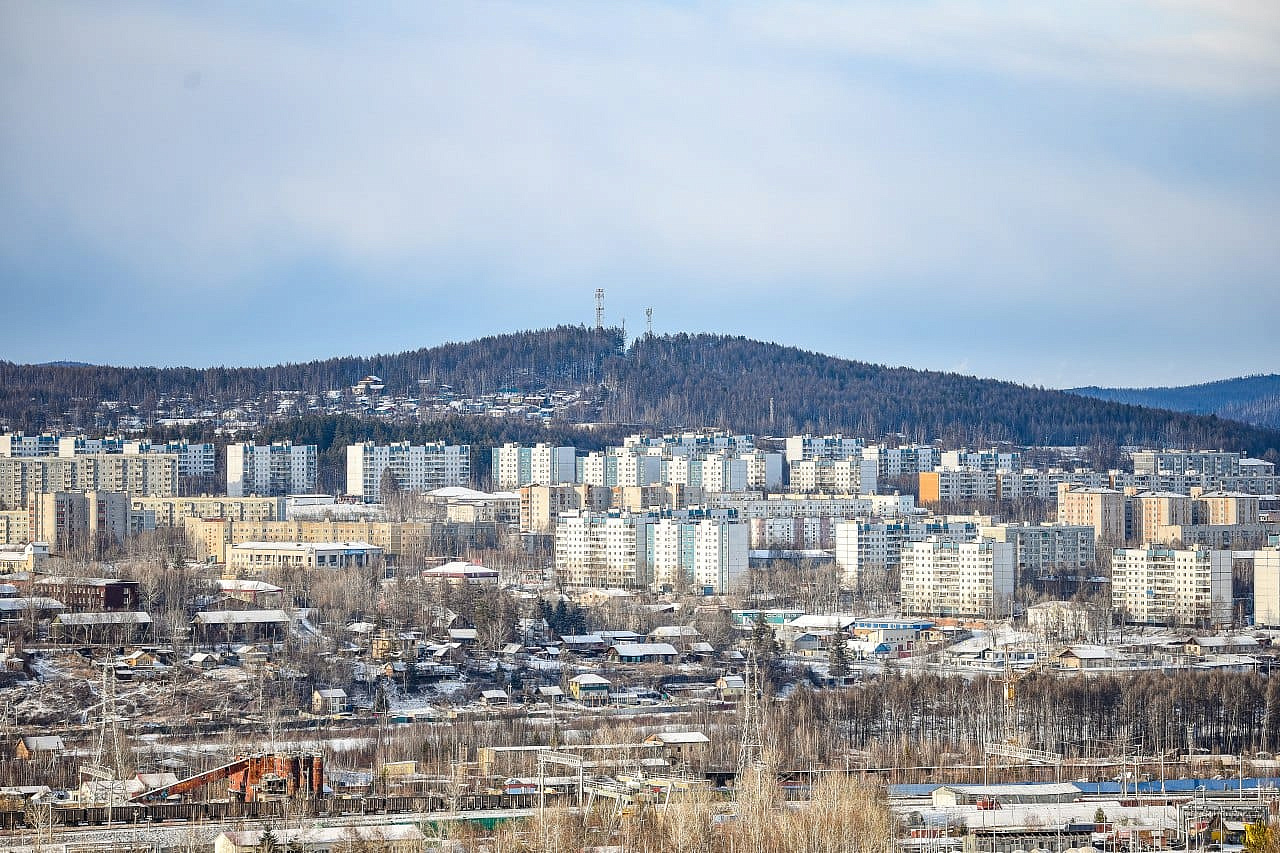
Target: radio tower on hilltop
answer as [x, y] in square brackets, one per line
[599, 308]
[751, 717]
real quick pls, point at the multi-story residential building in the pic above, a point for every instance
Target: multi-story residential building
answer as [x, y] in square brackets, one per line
[515, 466]
[1225, 507]
[69, 520]
[868, 549]
[834, 476]
[1213, 462]
[1147, 514]
[78, 445]
[1165, 586]
[958, 484]
[270, 470]
[19, 445]
[399, 540]
[253, 558]
[800, 447]
[907, 460]
[981, 460]
[627, 466]
[601, 550]
[417, 467]
[956, 578]
[1100, 508]
[764, 469]
[1047, 549]
[686, 443]
[711, 472]
[708, 555]
[196, 460]
[172, 512]
[1043, 484]
[1266, 587]
[137, 475]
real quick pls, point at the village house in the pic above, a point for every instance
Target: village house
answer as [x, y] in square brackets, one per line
[689, 748]
[325, 702]
[39, 747]
[226, 627]
[590, 689]
[660, 653]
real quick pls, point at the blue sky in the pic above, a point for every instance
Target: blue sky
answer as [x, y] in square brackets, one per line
[1057, 193]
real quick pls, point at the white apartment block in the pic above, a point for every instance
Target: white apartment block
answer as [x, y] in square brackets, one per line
[620, 467]
[750, 506]
[1249, 483]
[800, 447]
[173, 512]
[1212, 462]
[708, 555]
[956, 578]
[601, 550]
[1047, 549]
[271, 470]
[515, 466]
[867, 549]
[958, 484]
[764, 469]
[713, 472]
[834, 476]
[1164, 586]
[907, 460]
[1043, 484]
[195, 459]
[1266, 587]
[980, 460]
[417, 467]
[135, 475]
[686, 443]
[20, 445]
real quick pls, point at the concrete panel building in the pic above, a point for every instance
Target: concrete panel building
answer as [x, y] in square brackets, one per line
[1166, 586]
[271, 470]
[956, 578]
[515, 466]
[417, 467]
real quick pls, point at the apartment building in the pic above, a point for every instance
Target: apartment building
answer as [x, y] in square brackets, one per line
[689, 443]
[90, 595]
[904, 461]
[271, 470]
[706, 555]
[69, 520]
[627, 466]
[601, 550]
[19, 445]
[981, 460]
[135, 475]
[1211, 462]
[868, 549]
[1266, 587]
[417, 467]
[800, 447]
[1165, 586]
[956, 578]
[711, 472]
[196, 460]
[1100, 508]
[399, 540]
[1043, 484]
[958, 484]
[1047, 549]
[515, 466]
[834, 476]
[172, 512]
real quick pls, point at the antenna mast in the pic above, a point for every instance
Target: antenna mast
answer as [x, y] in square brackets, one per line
[752, 744]
[599, 308]
[648, 316]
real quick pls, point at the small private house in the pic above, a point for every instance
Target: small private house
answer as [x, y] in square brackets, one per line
[204, 661]
[682, 747]
[660, 653]
[1088, 657]
[680, 636]
[329, 701]
[39, 747]
[495, 698]
[551, 694]
[590, 689]
[224, 627]
[730, 687]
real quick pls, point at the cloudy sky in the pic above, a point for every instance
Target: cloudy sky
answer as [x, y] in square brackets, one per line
[1059, 193]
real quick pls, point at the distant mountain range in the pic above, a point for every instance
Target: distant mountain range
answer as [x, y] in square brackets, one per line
[1250, 399]
[668, 381]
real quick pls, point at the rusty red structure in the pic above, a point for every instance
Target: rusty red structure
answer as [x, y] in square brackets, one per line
[251, 778]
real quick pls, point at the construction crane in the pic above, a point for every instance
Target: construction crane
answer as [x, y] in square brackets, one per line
[1014, 744]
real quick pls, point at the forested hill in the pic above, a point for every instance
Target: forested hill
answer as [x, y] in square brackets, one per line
[672, 381]
[694, 379]
[1251, 399]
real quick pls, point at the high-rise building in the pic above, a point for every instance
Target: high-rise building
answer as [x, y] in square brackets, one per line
[417, 467]
[1266, 587]
[1166, 586]
[956, 578]
[867, 549]
[154, 475]
[270, 470]
[515, 466]
[1100, 508]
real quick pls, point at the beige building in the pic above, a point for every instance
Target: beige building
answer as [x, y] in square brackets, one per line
[956, 578]
[172, 512]
[211, 538]
[540, 506]
[1167, 586]
[15, 527]
[153, 474]
[79, 519]
[1266, 587]
[1100, 508]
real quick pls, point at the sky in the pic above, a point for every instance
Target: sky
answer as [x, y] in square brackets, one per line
[1058, 193]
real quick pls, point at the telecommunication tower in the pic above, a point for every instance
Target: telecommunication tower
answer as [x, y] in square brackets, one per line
[599, 308]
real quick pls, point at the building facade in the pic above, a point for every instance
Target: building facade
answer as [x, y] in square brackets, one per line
[1166, 586]
[956, 578]
[417, 467]
[271, 470]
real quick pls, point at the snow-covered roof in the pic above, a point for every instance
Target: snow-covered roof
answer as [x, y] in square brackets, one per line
[239, 617]
[639, 650]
